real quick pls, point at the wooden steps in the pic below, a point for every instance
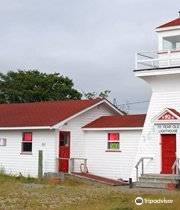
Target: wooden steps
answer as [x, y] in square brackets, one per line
[100, 179]
[162, 181]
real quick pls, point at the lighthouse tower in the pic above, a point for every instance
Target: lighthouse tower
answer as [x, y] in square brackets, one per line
[159, 149]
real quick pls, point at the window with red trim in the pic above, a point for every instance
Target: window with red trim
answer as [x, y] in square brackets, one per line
[27, 142]
[113, 141]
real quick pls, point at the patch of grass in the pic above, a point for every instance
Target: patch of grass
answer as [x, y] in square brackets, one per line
[17, 178]
[121, 208]
[18, 192]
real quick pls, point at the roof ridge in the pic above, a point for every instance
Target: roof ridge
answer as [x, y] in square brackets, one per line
[51, 101]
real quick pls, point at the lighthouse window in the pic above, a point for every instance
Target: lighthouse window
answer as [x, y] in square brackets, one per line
[171, 43]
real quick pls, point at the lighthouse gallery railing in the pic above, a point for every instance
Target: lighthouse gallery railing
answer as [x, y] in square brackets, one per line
[157, 59]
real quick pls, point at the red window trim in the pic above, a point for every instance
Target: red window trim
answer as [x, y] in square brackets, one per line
[27, 139]
[113, 137]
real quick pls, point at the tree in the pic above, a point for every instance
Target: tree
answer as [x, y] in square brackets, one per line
[102, 94]
[90, 95]
[32, 85]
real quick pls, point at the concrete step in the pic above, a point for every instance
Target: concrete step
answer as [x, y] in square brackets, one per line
[162, 176]
[158, 180]
[152, 185]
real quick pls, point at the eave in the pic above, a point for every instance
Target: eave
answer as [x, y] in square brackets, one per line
[27, 128]
[112, 128]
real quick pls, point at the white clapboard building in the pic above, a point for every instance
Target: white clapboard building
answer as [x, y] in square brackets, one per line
[55, 128]
[95, 137]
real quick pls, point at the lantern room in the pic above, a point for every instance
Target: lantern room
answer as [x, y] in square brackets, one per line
[168, 50]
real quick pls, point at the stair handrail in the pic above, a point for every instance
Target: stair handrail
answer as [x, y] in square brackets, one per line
[176, 167]
[141, 161]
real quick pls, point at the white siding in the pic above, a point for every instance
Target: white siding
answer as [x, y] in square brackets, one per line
[111, 164]
[14, 162]
[77, 144]
[150, 139]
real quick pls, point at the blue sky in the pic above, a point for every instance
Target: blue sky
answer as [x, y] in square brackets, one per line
[91, 41]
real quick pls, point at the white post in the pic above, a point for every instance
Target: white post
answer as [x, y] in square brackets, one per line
[169, 58]
[136, 61]
[152, 63]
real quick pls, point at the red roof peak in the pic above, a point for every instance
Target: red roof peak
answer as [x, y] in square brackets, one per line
[175, 22]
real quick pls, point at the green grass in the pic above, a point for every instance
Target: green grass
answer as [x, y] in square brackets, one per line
[18, 192]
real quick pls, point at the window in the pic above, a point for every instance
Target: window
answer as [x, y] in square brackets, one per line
[113, 141]
[27, 142]
[64, 138]
[171, 43]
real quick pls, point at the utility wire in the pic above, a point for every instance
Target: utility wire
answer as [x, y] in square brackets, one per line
[137, 102]
[126, 106]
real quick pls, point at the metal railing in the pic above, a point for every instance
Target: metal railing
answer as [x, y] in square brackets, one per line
[155, 59]
[82, 166]
[141, 161]
[71, 163]
[176, 167]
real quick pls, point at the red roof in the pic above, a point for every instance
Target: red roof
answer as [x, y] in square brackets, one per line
[41, 113]
[175, 22]
[118, 121]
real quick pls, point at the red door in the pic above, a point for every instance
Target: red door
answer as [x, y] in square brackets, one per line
[168, 145]
[64, 151]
